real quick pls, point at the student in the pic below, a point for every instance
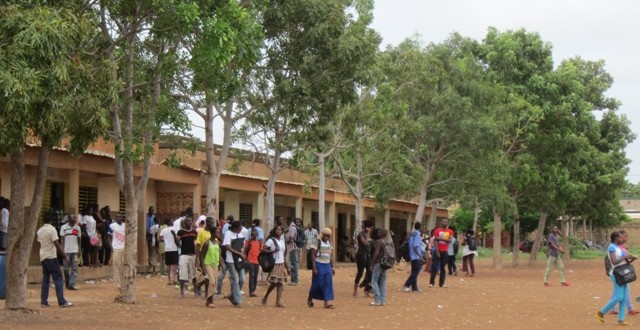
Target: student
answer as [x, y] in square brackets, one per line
[453, 251]
[323, 271]
[417, 259]
[442, 237]
[153, 254]
[363, 258]
[469, 251]
[186, 241]
[252, 250]
[116, 237]
[278, 275]
[210, 262]
[161, 246]
[70, 236]
[170, 251]
[234, 243]
[379, 277]
[49, 251]
[554, 257]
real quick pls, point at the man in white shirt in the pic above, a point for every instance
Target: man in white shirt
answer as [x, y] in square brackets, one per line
[5, 204]
[116, 237]
[234, 238]
[70, 234]
[312, 242]
[168, 236]
[49, 251]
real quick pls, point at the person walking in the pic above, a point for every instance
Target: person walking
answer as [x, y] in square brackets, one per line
[363, 258]
[168, 236]
[311, 235]
[453, 251]
[252, 250]
[617, 257]
[323, 270]
[379, 277]
[442, 237]
[49, 250]
[293, 252]
[469, 251]
[116, 237]
[417, 259]
[553, 258]
[233, 243]
[630, 310]
[210, 262]
[186, 241]
[280, 271]
[70, 237]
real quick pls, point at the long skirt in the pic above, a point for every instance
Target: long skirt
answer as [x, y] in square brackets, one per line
[322, 283]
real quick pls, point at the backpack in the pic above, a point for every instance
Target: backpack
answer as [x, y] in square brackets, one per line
[404, 251]
[388, 258]
[267, 260]
[300, 239]
[456, 247]
[471, 242]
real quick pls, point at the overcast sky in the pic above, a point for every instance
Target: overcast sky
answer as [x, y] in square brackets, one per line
[591, 29]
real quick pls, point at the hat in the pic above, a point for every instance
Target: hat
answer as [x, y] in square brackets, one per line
[326, 231]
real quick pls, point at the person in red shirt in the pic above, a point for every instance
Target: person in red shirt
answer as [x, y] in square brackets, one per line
[441, 236]
[252, 249]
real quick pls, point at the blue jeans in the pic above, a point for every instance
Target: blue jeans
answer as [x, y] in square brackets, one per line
[221, 275]
[71, 269]
[412, 281]
[294, 259]
[254, 270]
[51, 268]
[237, 281]
[379, 284]
[620, 293]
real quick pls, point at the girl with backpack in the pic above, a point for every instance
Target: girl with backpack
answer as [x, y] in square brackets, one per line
[252, 249]
[469, 251]
[279, 273]
[381, 257]
[323, 271]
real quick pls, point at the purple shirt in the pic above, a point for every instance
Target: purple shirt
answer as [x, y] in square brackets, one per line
[551, 241]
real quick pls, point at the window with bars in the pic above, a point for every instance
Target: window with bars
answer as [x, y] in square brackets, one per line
[352, 230]
[122, 205]
[246, 214]
[315, 218]
[86, 196]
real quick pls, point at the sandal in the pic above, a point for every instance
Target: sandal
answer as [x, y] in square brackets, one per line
[211, 305]
[309, 303]
[280, 305]
[329, 307]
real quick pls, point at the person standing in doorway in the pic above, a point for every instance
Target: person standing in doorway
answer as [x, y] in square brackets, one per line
[554, 259]
[417, 258]
[312, 242]
[293, 253]
[49, 250]
[116, 237]
[150, 223]
[70, 233]
[442, 237]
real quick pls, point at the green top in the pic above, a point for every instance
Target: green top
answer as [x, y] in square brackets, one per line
[213, 254]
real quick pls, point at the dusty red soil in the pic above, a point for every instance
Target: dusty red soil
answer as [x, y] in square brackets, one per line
[511, 298]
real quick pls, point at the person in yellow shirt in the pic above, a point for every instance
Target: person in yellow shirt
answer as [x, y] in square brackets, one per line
[210, 263]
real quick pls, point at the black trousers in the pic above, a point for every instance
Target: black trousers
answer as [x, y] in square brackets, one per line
[439, 262]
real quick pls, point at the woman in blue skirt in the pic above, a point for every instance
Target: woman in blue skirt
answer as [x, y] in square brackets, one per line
[323, 271]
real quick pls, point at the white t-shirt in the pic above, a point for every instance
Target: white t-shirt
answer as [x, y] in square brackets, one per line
[281, 248]
[117, 233]
[70, 239]
[90, 223]
[153, 231]
[176, 225]
[169, 242]
[228, 237]
[47, 235]
[4, 220]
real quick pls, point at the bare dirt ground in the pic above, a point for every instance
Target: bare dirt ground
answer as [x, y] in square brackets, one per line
[511, 298]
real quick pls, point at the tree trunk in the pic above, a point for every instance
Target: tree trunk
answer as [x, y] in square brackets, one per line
[212, 172]
[321, 190]
[269, 202]
[476, 215]
[565, 225]
[22, 227]
[127, 293]
[516, 240]
[434, 216]
[538, 240]
[497, 240]
[421, 204]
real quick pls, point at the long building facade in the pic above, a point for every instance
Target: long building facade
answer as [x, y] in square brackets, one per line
[74, 182]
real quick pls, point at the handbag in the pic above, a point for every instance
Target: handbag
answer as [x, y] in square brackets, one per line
[624, 274]
[238, 261]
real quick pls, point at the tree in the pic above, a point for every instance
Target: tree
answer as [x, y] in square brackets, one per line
[218, 54]
[307, 62]
[141, 38]
[51, 87]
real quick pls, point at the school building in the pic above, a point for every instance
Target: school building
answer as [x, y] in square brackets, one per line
[73, 182]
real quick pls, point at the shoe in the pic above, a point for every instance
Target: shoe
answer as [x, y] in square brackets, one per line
[252, 295]
[407, 289]
[293, 284]
[565, 284]
[547, 284]
[600, 317]
[71, 288]
[375, 303]
[430, 286]
[624, 323]
[67, 304]
[633, 312]
[45, 305]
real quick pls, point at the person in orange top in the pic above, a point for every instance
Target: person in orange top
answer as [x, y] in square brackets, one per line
[252, 249]
[441, 236]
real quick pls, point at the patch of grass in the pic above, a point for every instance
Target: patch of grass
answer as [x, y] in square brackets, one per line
[587, 254]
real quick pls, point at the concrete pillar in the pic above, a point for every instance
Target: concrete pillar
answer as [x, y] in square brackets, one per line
[232, 204]
[197, 195]
[299, 207]
[410, 222]
[259, 206]
[387, 218]
[330, 213]
[74, 191]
